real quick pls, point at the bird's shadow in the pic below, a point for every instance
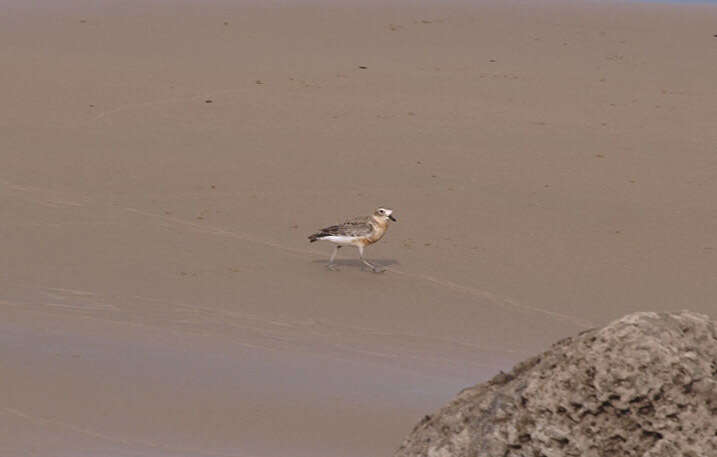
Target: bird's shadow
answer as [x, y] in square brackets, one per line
[356, 263]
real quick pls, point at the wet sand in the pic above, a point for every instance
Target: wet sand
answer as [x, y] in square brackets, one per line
[551, 167]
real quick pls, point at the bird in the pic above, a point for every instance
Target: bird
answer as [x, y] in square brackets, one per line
[359, 232]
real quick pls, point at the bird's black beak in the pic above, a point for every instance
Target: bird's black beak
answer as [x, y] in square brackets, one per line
[390, 216]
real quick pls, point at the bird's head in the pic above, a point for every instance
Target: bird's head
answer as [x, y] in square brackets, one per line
[383, 214]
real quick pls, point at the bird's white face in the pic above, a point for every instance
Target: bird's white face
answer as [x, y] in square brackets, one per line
[384, 214]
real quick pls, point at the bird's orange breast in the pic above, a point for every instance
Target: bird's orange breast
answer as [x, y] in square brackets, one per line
[377, 233]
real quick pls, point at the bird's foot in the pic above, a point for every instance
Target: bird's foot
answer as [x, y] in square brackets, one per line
[373, 268]
[331, 267]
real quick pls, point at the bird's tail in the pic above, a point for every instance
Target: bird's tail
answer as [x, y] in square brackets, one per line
[315, 237]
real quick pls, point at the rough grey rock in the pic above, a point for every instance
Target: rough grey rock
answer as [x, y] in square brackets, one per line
[645, 385]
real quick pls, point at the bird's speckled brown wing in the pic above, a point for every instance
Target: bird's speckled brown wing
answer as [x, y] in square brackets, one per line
[358, 227]
[350, 228]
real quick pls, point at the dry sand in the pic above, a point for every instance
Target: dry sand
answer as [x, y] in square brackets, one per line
[552, 167]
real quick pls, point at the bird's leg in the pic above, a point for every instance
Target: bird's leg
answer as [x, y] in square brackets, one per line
[373, 267]
[331, 266]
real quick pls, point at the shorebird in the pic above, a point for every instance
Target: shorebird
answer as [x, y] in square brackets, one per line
[359, 232]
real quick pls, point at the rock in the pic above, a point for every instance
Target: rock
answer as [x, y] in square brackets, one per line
[645, 385]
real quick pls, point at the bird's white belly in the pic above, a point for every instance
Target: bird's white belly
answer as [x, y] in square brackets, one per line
[342, 239]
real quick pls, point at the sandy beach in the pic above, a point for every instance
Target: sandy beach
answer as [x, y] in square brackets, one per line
[552, 167]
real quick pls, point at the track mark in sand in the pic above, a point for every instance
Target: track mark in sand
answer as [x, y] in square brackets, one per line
[421, 357]
[164, 101]
[208, 229]
[81, 293]
[373, 333]
[132, 106]
[91, 307]
[493, 298]
[43, 307]
[40, 196]
[82, 307]
[501, 301]
[102, 436]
